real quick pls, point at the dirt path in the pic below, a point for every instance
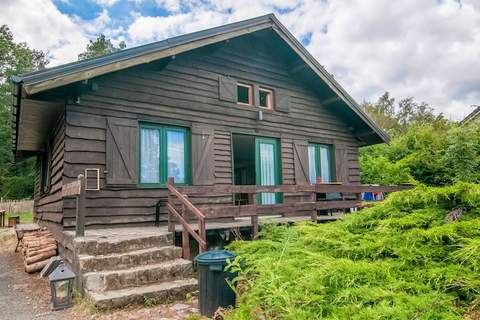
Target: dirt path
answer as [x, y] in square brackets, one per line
[27, 296]
[22, 296]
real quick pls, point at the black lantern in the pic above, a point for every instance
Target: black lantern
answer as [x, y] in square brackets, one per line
[61, 286]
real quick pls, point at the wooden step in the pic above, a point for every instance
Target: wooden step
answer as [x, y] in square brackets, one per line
[116, 261]
[137, 276]
[163, 292]
[109, 245]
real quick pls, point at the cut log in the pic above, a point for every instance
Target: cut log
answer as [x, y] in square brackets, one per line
[37, 248]
[40, 257]
[30, 253]
[37, 266]
[39, 244]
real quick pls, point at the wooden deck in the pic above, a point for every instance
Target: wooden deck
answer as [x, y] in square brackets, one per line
[244, 222]
[316, 198]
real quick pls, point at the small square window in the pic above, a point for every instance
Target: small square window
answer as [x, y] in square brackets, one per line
[266, 98]
[244, 94]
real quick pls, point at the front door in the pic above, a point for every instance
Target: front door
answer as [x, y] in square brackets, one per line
[267, 168]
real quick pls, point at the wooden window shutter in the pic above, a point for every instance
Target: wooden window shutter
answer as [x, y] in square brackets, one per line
[122, 151]
[203, 166]
[227, 89]
[341, 163]
[300, 151]
[282, 100]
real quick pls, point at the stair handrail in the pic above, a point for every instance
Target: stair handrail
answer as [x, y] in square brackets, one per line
[182, 217]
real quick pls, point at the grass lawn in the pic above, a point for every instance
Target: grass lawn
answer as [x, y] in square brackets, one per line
[25, 217]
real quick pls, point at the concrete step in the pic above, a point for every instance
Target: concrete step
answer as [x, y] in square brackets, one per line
[116, 261]
[124, 244]
[163, 292]
[137, 276]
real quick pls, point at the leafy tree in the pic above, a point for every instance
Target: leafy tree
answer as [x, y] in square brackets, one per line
[100, 47]
[397, 119]
[424, 147]
[16, 181]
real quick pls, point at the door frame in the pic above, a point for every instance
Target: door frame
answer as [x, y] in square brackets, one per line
[277, 164]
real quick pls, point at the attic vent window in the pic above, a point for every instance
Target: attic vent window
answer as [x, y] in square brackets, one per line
[266, 98]
[245, 94]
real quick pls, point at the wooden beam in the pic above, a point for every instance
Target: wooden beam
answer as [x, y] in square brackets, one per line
[319, 188]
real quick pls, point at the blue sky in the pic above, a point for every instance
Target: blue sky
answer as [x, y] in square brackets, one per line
[427, 49]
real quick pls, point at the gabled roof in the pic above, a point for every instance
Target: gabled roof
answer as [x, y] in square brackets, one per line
[471, 117]
[43, 80]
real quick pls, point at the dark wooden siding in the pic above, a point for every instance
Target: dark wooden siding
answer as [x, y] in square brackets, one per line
[48, 205]
[184, 92]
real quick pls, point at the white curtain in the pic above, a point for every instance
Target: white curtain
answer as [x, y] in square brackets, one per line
[176, 155]
[325, 164]
[150, 156]
[267, 171]
[312, 171]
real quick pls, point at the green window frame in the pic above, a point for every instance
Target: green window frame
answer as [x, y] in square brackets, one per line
[315, 152]
[163, 131]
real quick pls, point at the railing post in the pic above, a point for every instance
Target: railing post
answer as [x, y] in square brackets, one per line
[185, 235]
[254, 218]
[203, 236]
[80, 210]
[313, 198]
[171, 223]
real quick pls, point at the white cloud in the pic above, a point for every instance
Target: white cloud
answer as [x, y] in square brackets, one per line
[426, 49]
[42, 26]
[106, 3]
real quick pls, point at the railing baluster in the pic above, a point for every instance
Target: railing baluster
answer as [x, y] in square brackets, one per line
[203, 235]
[185, 235]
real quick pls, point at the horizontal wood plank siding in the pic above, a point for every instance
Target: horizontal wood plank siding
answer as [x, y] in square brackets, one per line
[183, 92]
[48, 206]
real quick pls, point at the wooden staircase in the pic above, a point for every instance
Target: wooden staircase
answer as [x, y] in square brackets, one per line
[131, 268]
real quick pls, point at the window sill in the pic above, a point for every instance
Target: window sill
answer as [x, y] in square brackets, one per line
[253, 108]
[159, 186]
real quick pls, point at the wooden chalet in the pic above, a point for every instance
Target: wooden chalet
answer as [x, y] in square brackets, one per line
[241, 117]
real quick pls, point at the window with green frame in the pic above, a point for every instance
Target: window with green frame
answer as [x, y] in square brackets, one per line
[320, 162]
[164, 152]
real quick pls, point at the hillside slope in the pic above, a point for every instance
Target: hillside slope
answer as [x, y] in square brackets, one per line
[404, 259]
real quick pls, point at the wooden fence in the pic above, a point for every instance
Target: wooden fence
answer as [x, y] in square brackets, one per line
[182, 211]
[16, 206]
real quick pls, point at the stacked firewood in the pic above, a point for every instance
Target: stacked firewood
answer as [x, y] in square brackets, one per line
[38, 247]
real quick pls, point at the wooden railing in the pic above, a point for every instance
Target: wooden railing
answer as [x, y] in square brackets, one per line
[348, 196]
[182, 216]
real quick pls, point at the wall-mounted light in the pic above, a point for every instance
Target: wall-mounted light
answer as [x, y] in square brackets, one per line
[76, 100]
[260, 115]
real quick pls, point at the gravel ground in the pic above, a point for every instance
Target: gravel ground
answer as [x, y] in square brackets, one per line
[27, 296]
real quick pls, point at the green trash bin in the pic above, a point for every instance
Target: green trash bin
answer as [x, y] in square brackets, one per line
[214, 291]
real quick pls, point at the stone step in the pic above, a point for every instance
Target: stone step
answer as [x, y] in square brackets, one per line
[137, 276]
[116, 261]
[124, 244]
[164, 292]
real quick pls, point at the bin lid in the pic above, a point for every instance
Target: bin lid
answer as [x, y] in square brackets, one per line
[214, 257]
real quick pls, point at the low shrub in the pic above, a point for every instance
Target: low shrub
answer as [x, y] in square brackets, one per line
[401, 259]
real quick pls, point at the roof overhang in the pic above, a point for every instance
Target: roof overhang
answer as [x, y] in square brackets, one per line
[47, 79]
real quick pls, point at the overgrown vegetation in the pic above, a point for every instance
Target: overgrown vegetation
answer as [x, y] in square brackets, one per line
[398, 260]
[425, 147]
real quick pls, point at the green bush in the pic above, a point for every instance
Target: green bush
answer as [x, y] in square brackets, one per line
[398, 260]
[425, 153]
